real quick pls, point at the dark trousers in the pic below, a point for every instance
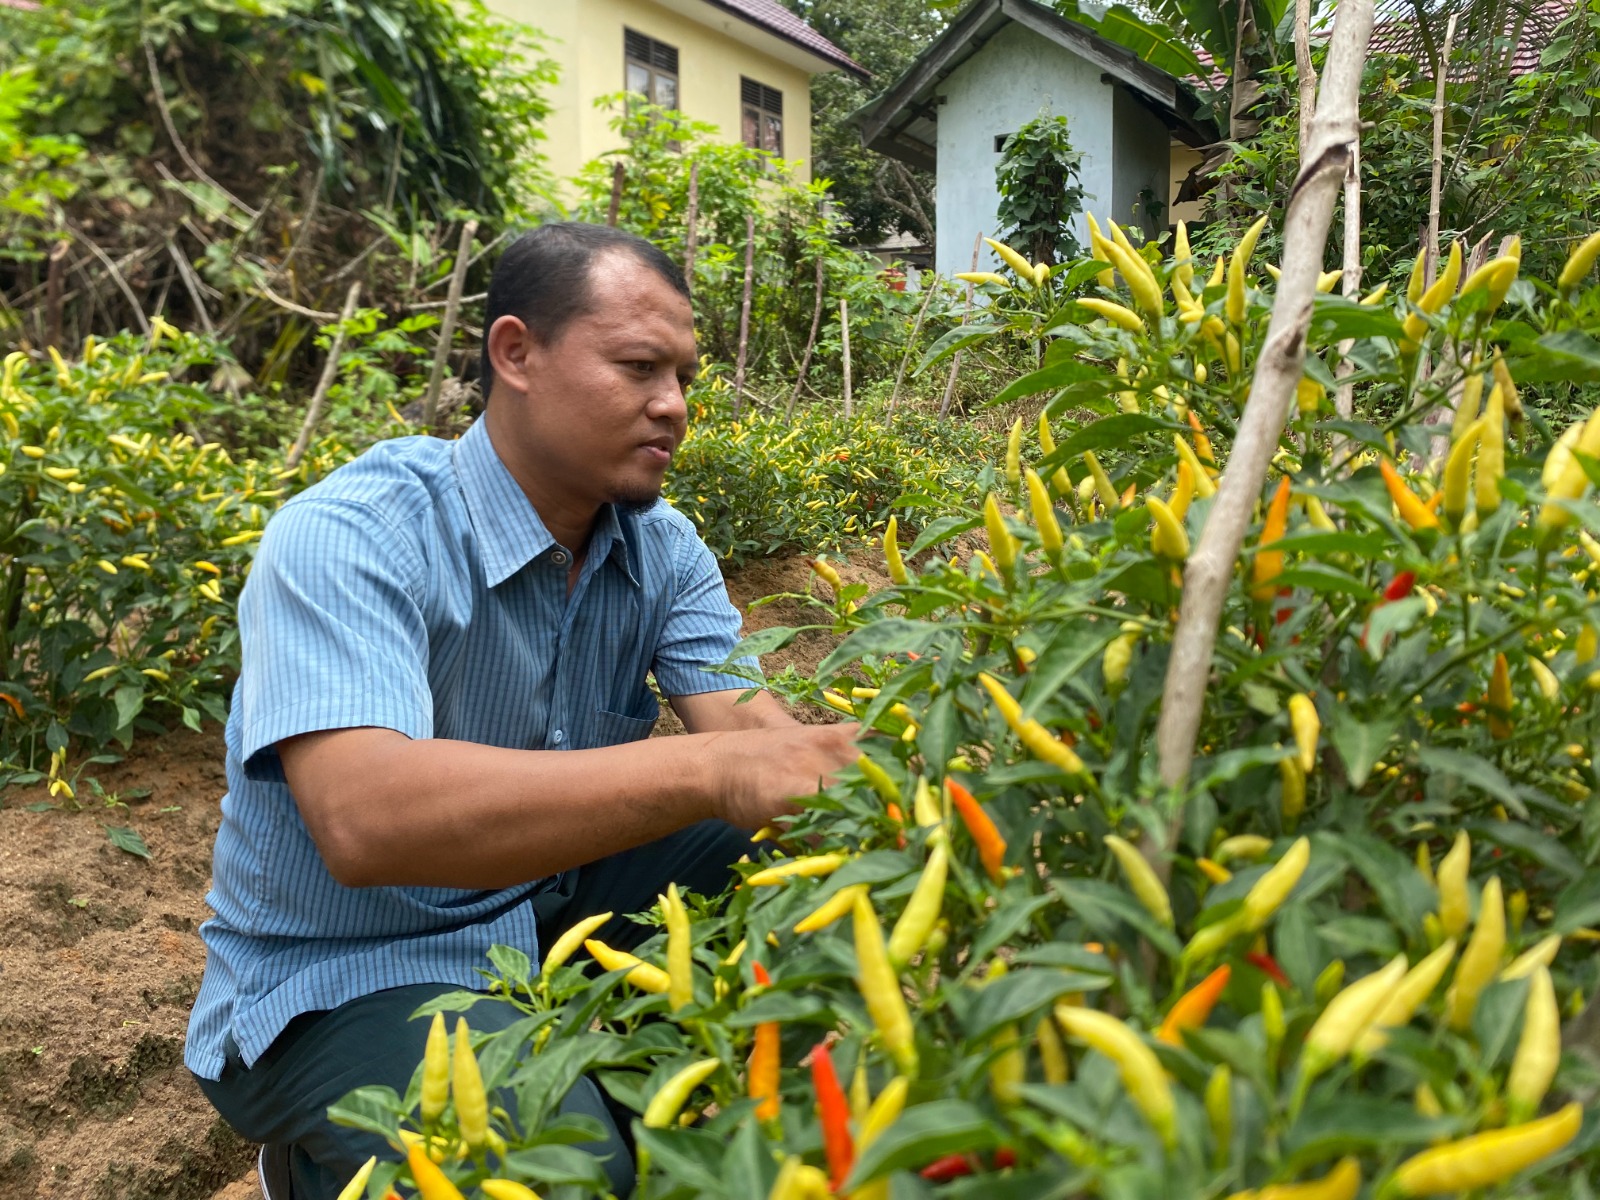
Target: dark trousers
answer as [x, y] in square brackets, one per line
[282, 1099]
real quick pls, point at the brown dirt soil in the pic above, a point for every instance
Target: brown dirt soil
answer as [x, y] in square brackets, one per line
[101, 961]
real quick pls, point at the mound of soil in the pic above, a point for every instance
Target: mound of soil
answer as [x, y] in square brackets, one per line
[101, 961]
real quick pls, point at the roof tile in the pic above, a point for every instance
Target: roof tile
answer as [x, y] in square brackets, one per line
[774, 18]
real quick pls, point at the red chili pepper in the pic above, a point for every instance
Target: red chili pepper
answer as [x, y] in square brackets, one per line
[1004, 1158]
[1400, 587]
[761, 975]
[951, 1166]
[833, 1109]
[1267, 963]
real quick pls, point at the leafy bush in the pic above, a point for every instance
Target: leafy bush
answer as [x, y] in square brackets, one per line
[124, 543]
[765, 484]
[1393, 782]
[1040, 191]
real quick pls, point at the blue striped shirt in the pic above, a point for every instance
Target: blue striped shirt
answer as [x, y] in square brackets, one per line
[416, 589]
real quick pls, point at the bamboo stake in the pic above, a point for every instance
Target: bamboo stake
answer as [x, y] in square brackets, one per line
[811, 344]
[928, 288]
[955, 359]
[330, 372]
[691, 219]
[1344, 396]
[447, 330]
[744, 311]
[1431, 248]
[618, 171]
[1335, 131]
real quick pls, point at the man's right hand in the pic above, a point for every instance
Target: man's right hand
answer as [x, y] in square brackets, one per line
[763, 771]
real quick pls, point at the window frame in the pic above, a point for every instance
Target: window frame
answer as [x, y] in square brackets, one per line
[766, 105]
[655, 69]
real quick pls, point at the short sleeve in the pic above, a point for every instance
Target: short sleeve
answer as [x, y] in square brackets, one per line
[701, 629]
[332, 634]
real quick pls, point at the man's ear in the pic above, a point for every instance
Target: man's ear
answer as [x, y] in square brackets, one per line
[511, 343]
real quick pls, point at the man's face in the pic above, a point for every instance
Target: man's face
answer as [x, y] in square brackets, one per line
[597, 412]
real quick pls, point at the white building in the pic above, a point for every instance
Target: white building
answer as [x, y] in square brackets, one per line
[1000, 64]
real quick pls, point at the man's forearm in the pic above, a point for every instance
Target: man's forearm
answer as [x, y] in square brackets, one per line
[457, 814]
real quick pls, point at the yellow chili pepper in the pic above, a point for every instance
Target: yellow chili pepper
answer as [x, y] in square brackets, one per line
[1500, 699]
[466, 1080]
[1269, 892]
[1046, 747]
[921, 912]
[1052, 1053]
[1485, 1158]
[1579, 264]
[798, 868]
[1538, 1049]
[645, 976]
[669, 1100]
[1168, 538]
[357, 1187]
[1341, 1183]
[1541, 954]
[880, 988]
[1412, 510]
[891, 553]
[1103, 486]
[983, 277]
[825, 571]
[1116, 313]
[1234, 305]
[1214, 871]
[925, 808]
[1203, 485]
[680, 950]
[1248, 846]
[1142, 879]
[1480, 961]
[1348, 1015]
[1491, 453]
[1001, 541]
[1588, 644]
[1453, 901]
[1136, 273]
[432, 1183]
[1044, 517]
[1219, 1108]
[1431, 301]
[1544, 678]
[1141, 1071]
[1011, 258]
[838, 905]
[1014, 454]
[507, 1189]
[1117, 660]
[1307, 729]
[1397, 1008]
[1100, 246]
[1496, 277]
[1458, 472]
[435, 1072]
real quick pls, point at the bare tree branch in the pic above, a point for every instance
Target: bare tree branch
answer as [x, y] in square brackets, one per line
[195, 168]
[447, 329]
[330, 372]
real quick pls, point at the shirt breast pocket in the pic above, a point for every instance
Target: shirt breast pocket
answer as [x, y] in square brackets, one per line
[614, 729]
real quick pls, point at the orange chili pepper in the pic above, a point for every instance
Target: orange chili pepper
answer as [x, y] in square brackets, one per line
[1194, 1006]
[765, 1059]
[991, 846]
[1268, 564]
[833, 1109]
[899, 818]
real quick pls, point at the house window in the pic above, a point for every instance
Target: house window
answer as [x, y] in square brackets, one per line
[650, 68]
[762, 109]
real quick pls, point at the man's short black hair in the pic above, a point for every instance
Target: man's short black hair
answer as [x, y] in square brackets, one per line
[543, 279]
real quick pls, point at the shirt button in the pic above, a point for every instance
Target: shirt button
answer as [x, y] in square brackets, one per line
[559, 558]
[557, 736]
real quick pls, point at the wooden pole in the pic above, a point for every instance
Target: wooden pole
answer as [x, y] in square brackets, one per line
[928, 289]
[330, 372]
[1344, 396]
[966, 315]
[691, 220]
[1431, 248]
[1306, 73]
[811, 343]
[1335, 131]
[744, 311]
[618, 171]
[447, 330]
[844, 338]
[54, 274]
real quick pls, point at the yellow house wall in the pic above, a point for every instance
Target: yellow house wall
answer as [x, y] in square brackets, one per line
[585, 37]
[1184, 159]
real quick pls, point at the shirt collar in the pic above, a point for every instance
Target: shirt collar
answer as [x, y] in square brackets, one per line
[510, 533]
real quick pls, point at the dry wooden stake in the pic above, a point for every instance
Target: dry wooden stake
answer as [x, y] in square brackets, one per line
[330, 372]
[744, 312]
[447, 330]
[691, 221]
[811, 343]
[1431, 247]
[844, 339]
[966, 315]
[930, 286]
[618, 171]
